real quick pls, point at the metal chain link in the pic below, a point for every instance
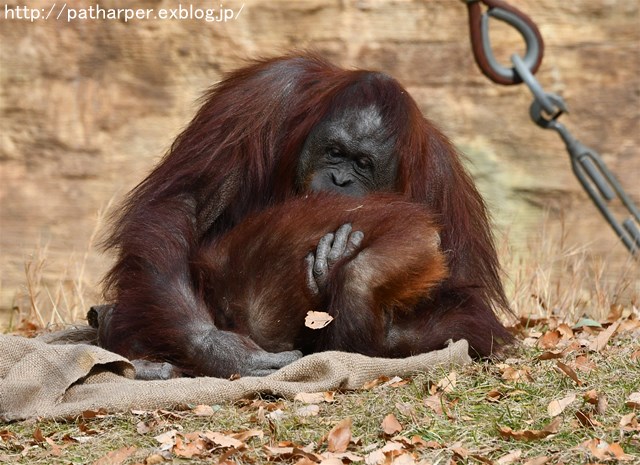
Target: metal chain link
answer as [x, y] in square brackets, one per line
[587, 165]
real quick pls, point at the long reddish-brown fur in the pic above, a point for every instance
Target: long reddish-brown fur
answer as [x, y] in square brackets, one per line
[238, 156]
[253, 278]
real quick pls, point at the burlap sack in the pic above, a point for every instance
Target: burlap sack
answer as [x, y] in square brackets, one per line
[38, 379]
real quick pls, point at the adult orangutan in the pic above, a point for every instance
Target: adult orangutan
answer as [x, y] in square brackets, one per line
[267, 134]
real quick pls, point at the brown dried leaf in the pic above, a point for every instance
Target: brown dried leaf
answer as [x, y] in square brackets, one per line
[556, 407]
[390, 425]
[224, 440]
[634, 400]
[585, 419]
[154, 459]
[434, 402]
[550, 355]
[448, 383]
[116, 457]
[591, 396]
[604, 451]
[38, 436]
[584, 364]
[310, 397]
[531, 435]
[510, 458]
[567, 370]
[251, 433]
[56, 450]
[317, 320]
[340, 436]
[565, 331]
[602, 339]
[143, 427]
[88, 414]
[190, 447]
[629, 422]
[305, 461]
[167, 439]
[375, 382]
[550, 339]
[203, 411]
[510, 373]
[494, 395]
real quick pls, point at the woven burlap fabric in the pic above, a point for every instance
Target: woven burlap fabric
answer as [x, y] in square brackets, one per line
[44, 380]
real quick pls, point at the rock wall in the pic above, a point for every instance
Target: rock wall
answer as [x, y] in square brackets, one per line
[88, 106]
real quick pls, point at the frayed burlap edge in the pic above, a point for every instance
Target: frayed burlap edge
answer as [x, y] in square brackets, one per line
[38, 379]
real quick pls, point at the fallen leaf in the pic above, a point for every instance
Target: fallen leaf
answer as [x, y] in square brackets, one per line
[565, 331]
[56, 450]
[390, 425]
[591, 396]
[510, 373]
[167, 439]
[567, 370]
[556, 407]
[434, 402]
[494, 395]
[531, 435]
[317, 320]
[116, 457]
[510, 458]
[38, 436]
[203, 411]
[309, 397]
[305, 461]
[154, 459]
[88, 414]
[550, 355]
[376, 382]
[308, 410]
[448, 383]
[189, 446]
[396, 382]
[629, 422]
[585, 419]
[251, 433]
[602, 339]
[584, 364]
[224, 440]
[340, 436]
[143, 427]
[587, 322]
[549, 340]
[604, 451]
[633, 401]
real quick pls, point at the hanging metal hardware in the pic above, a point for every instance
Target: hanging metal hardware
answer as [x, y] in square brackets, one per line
[587, 165]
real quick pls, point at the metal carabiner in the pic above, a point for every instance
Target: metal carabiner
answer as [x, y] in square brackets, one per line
[481, 43]
[596, 179]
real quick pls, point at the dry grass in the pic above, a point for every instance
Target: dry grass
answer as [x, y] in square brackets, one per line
[553, 277]
[52, 304]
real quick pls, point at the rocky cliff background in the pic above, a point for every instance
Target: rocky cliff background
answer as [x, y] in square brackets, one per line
[88, 106]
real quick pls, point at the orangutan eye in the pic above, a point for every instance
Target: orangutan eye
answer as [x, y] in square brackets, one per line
[335, 152]
[363, 163]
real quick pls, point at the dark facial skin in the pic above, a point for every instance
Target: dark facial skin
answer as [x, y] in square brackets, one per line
[349, 153]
